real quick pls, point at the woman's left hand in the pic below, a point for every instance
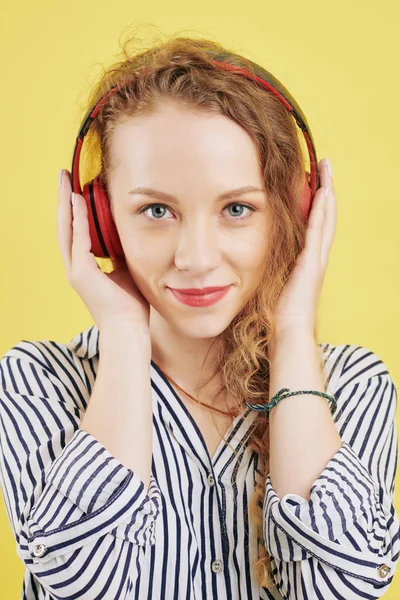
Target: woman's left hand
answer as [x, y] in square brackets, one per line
[296, 309]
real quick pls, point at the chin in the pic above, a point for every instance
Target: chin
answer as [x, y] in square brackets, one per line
[194, 322]
[201, 326]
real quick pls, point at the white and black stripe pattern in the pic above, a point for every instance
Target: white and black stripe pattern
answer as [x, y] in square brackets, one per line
[86, 527]
[349, 528]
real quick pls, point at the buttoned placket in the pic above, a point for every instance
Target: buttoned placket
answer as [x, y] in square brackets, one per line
[188, 435]
[213, 469]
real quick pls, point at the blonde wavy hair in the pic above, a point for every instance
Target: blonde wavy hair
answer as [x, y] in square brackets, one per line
[179, 68]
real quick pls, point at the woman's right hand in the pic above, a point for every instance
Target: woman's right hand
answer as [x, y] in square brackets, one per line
[110, 297]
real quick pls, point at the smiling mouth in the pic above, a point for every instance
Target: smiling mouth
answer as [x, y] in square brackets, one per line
[199, 300]
[199, 291]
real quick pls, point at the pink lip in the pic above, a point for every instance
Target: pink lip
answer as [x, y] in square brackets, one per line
[200, 300]
[197, 291]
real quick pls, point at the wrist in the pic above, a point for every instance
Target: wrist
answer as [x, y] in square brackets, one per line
[120, 332]
[299, 338]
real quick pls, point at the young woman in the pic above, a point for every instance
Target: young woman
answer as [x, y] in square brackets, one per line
[140, 460]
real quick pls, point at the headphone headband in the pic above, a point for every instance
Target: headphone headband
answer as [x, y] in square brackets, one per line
[103, 232]
[261, 75]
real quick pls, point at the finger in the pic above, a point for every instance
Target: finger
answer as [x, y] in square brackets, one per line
[315, 226]
[330, 216]
[81, 256]
[64, 218]
[325, 173]
[330, 227]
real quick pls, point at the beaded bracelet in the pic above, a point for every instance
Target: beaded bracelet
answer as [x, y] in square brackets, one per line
[281, 394]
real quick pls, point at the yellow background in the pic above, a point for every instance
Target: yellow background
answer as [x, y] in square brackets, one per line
[339, 60]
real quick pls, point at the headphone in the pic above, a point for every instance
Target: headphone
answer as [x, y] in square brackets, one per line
[105, 242]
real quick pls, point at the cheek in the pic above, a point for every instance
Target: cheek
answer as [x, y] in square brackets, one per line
[142, 268]
[142, 253]
[145, 251]
[250, 257]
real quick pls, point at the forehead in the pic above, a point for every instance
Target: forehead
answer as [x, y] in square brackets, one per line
[195, 143]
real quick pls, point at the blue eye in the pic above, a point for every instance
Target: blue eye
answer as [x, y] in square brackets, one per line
[250, 208]
[235, 217]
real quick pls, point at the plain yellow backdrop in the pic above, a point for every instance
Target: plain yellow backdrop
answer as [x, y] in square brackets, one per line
[339, 60]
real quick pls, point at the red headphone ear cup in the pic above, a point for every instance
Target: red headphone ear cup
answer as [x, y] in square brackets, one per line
[306, 197]
[105, 242]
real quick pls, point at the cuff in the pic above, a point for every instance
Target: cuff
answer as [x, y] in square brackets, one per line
[344, 493]
[102, 496]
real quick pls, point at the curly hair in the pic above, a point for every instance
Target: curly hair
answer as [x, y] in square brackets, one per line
[179, 68]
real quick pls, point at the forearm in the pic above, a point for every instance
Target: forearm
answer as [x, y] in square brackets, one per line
[303, 437]
[119, 413]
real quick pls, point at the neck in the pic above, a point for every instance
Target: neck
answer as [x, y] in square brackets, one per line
[189, 361]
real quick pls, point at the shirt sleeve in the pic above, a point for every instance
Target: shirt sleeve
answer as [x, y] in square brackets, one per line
[343, 542]
[74, 509]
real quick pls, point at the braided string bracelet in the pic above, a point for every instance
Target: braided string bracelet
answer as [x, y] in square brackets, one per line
[282, 394]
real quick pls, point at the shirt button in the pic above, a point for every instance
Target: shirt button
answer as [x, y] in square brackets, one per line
[383, 570]
[217, 566]
[210, 479]
[39, 550]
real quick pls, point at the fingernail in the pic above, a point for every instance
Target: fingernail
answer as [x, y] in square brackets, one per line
[328, 164]
[60, 177]
[326, 192]
[73, 198]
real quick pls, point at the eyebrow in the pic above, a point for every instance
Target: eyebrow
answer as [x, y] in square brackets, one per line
[148, 191]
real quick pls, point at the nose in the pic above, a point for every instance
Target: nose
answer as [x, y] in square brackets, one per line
[198, 248]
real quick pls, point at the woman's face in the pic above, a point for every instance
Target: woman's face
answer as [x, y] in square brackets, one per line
[194, 237]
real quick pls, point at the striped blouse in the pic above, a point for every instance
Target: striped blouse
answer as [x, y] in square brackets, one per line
[86, 527]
